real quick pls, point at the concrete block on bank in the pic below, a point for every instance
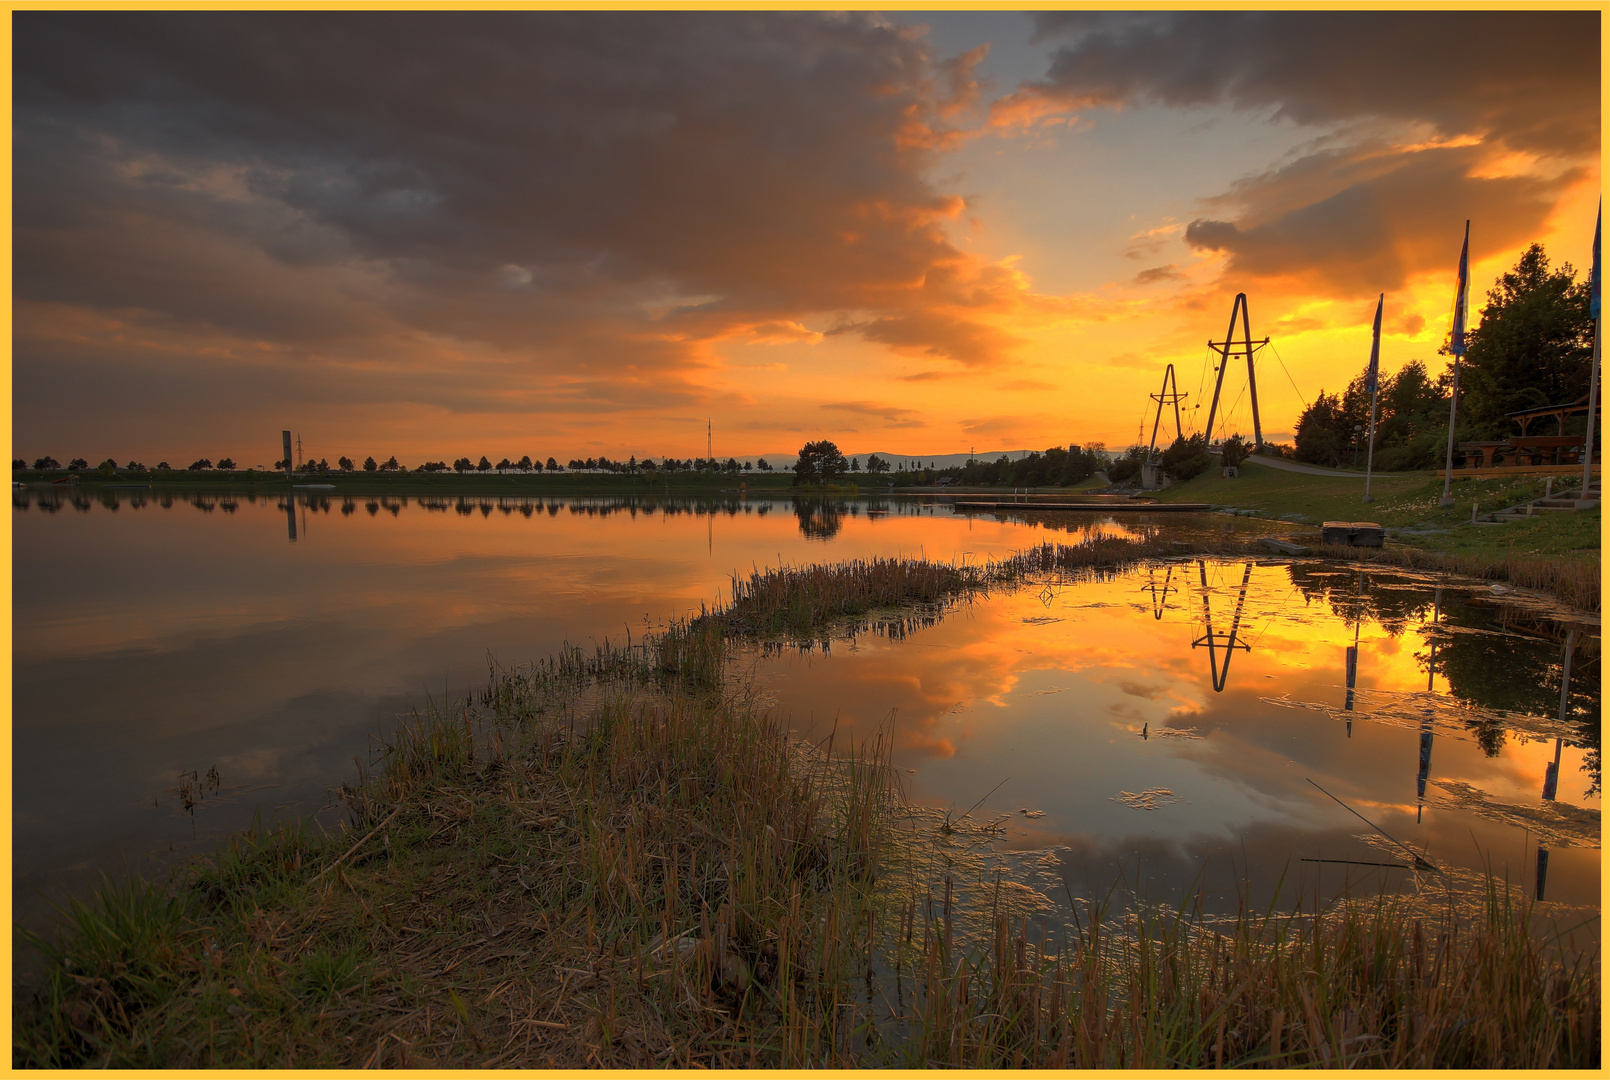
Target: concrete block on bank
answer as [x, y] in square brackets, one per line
[1353, 533]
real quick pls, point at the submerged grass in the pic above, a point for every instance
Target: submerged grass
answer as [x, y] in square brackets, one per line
[1574, 580]
[617, 858]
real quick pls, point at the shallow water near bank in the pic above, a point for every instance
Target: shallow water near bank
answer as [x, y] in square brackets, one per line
[1215, 727]
[1142, 728]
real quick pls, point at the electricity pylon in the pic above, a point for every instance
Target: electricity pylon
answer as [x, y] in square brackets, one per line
[1228, 347]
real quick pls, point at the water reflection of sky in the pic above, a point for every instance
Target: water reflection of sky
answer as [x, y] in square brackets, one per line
[1074, 698]
[154, 635]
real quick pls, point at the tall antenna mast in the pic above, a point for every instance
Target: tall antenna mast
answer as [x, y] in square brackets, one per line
[708, 455]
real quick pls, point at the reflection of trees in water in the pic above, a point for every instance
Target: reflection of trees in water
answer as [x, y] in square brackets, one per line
[1520, 672]
[819, 519]
[1514, 663]
[1394, 608]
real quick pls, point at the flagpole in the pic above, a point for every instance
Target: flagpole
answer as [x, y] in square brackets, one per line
[1593, 378]
[1456, 346]
[1453, 406]
[1375, 393]
[1593, 397]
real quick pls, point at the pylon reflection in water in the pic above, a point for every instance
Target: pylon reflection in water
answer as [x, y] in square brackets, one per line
[1214, 640]
[1551, 772]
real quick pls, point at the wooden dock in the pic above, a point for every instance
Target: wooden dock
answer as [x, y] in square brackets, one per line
[1141, 507]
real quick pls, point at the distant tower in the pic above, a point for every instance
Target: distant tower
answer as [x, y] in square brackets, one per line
[708, 454]
[285, 437]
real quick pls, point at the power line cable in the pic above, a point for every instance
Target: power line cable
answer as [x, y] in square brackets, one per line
[1228, 412]
[1200, 382]
[1288, 374]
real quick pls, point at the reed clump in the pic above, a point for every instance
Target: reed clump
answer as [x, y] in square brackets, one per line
[798, 602]
[1363, 985]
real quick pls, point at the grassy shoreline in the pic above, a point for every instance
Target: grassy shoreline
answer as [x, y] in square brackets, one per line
[617, 858]
[1407, 504]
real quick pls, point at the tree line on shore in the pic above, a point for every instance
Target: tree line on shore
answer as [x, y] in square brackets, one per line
[1533, 346]
[526, 464]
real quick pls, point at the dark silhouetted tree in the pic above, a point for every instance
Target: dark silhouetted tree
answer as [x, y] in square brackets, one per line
[369, 465]
[1234, 451]
[1532, 346]
[228, 463]
[819, 463]
[46, 463]
[1320, 439]
[1126, 466]
[1187, 457]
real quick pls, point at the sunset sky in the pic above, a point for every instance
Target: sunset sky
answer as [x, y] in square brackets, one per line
[437, 234]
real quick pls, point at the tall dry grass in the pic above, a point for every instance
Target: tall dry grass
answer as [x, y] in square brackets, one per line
[1365, 985]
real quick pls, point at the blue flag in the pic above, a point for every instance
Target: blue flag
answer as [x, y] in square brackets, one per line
[1456, 344]
[1375, 349]
[1593, 304]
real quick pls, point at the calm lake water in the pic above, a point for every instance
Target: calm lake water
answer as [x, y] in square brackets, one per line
[1180, 719]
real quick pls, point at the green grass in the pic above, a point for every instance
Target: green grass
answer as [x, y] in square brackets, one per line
[1406, 503]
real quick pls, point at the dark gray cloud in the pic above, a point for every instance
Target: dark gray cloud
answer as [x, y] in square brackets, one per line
[603, 194]
[1418, 103]
[1529, 78]
[1376, 230]
[1163, 273]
